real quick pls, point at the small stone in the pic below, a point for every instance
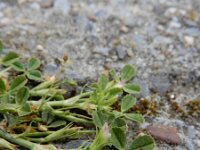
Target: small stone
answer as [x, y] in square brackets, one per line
[130, 52]
[5, 22]
[1, 15]
[121, 53]
[46, 3]
[102, 50]
[22, 1]
[40, 47]
[160, 83]
[172, 96]
[165, 133]
[124, 29]
[189, 40]
[92, 18]
[62, 5]
[35, 6]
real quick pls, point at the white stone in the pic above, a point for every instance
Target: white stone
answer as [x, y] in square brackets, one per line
[189, 40]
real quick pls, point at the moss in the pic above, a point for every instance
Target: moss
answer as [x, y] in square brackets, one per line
[146, 106]
[193, 107]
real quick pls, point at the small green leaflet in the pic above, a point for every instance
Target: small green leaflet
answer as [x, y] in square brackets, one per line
[10, 58]
[33, 63]
[22, 96]
[34, 75]
[1, 46]
[2, 86]
[18, 83]
[134, 117]
[127, 103]
[132, 88]
[128, 72]
[118, 138]
[144, 142]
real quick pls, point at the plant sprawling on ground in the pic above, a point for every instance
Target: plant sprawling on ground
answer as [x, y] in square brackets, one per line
[35, 112]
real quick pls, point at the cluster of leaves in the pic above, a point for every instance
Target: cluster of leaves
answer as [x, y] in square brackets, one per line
[34, 115]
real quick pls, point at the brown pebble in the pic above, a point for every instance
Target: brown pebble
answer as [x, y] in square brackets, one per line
[46, 3]
[92, 18]
[164, 133]
[124, 29]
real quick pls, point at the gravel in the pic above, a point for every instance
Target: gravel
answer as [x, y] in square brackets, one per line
[160, 38]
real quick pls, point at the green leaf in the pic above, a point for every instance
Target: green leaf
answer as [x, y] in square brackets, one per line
[103, 81]
[132, 88]
[2, 86]
[47, 116]
[69, 82]
[24, 110]
[127, 103]
[5, 97]
[34, 75]
[128, 72]
[135, 117]
[102, 139]
[57, 123]
[115, 91]
[22, 96]
[33, 63]
[1, 46]
[144, 142]
[10, 58]
[100, 117]
[114, 75]
[12, 120]
[18, 66]
[119, 122]
[18, 83]
[118, 138]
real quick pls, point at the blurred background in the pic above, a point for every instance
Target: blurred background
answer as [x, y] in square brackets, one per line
[161, 38]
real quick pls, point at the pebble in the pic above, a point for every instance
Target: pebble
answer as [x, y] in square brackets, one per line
[35, 6]
[189, 40]
[165, 133]
[46, 3]
[62, 5]
[124, 29]
[5, 22]
[130, 52]
[40, 47]
[2, 6]
[102, 50]
[193, 31]
[92, 18]
[75, 143]
[1, 15]
[121, 53]
[160, 83]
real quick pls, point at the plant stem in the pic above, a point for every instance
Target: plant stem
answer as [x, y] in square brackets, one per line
[46, 92]
[69, 102]
[35, 134]
[5, 70]
[71, 118]
[43, 85]
[15, 140]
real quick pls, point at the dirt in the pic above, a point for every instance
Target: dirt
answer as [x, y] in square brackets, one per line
[160, 38]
